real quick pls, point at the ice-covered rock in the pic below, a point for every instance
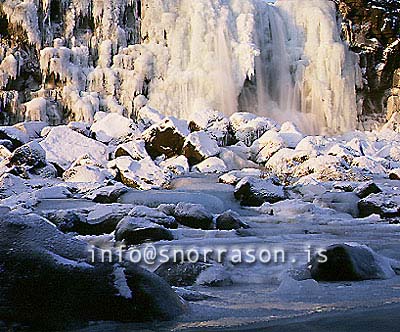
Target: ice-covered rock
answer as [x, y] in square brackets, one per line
[343, 152]
[136, 149]
[290, 135]
[384, 204]
[153, 215]
[366, 189]
[143, 174]
[267, 145]
[325, 168]
[178, 165]
[63, 146]
[134, 231]
[286, 162]
[11, 185]
[236, 158]
[80, 127]
[229, 220]
[31, 128]
[193, 216]
[199, 146]
[147, 117]
[211, 165]
[369, 165]
[113, 127]
[35, 255]
[233, 177]
[85, 169]
[348, 262]
[252, 191]
[341, 202]
[30, 155]
[166, 137]
[108, 194]
[14, 135]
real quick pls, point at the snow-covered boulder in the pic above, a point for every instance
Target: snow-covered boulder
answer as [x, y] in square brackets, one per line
[369, 165]
[394, 174]
[229, 220]
[166, 137]
[193, 216]
[80, 127]
[153, 215]
[285, 162]
[134, 231]
[325, 168]
[210, 165]
[63, 146]
[348, 262]
[248, 127]
[199, 146]
[108, 194]
[34, 256]
[177, 165]
[267, 145]
[30, 154]
[386, 205]
[14, 135]
[86, 173]
[136, 149]
[366, 189]
[340, 202]
[344, 152]
[143, 174]
[233, 177]
[31, 128]
[147, 117]
[290, 135]
[11, 185]
[252, 191]
[236, 158]
[113, 127]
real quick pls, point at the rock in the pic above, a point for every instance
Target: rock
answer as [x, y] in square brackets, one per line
[154, 215]
[34, 256]
[15, 136]
[215, 276]
[193, 216]
[386, 205]
[341, 202]
[11, 185]
[394, 174]
[392, 125]
[267, 145]
[30, 154]
[113, 127]
[135, 149]
[252, 191]
[290, 135]
[31, 128]
[181, 274]
[229, 220]
[177, 165]
[210, 165]
[64, 146]
[286, 162]
[191, 295]
[167, 137]
[143, 174]
[199, 146]
[369, 165]
[350, 263]
[86, 173]
[54, 192]
[344, 152]
[236, 158]
[147, 117]
[107, 195]
[80, 127]
[134, 231]
[233, 177]
[367, 189]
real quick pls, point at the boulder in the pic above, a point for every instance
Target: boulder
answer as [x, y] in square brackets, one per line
[267, 145]
[394, 174]
[233, 177]
[47, 279]
[154, 215]
[30, 154]
[229, 220]
[210, 165]
[31, 128]
[340, 201]
[193, 216]
[181, 274]
[366, 189]
[64, 146]
[143, 174]
[166, 137]
[108, 194]
[134, 231]
[15, 136]
[386, 205]
[136, 149]
[199, 146]
[113, 127]
[252, 191]
[350, 263]
[177, 165]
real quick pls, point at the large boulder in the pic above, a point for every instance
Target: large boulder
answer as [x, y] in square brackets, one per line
[199, 146]
[50, 280]
[366, 189]
[193, 216]
[386, 205]
[30, 154]
[133, 230]
[229, 220]
[166, 137]
[154, 215]
[63, 146]
[13, 135]
[350, 263]
[252, 191]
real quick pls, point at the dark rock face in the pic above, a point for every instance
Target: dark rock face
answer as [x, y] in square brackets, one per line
[181, 274]
[48, 281]
[230, 220]
[347, 263]
[138, 230]
[387, 206]
[372, 27]
[254, 192]
[13, 135]
[194, 216]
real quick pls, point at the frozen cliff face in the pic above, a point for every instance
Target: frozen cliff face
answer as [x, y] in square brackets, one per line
[284, 61]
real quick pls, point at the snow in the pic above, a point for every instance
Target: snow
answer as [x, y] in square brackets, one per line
[210, 165]
[203, 144]
[121, 283]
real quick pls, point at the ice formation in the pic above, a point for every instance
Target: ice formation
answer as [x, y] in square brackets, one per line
[284, 60]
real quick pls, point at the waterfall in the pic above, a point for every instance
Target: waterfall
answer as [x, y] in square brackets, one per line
[284, 60]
